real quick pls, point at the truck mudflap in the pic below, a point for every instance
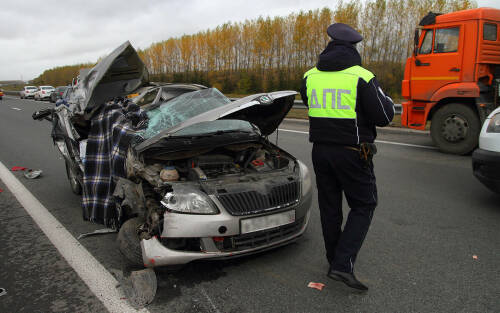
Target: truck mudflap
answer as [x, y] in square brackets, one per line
[415, 114]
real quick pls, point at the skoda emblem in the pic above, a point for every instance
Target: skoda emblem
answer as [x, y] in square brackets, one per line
[265, 99]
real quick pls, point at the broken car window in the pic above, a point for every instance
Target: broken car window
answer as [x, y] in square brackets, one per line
[181, 108]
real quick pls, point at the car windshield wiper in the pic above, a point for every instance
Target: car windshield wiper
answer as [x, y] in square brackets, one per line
[210, 134]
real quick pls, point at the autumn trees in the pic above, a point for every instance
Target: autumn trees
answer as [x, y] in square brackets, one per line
[267, 53]
[60, 76]
[272, 53]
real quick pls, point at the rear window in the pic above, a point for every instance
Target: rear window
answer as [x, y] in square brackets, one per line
[32, 88]
[446, 40]
[47, 88]
[490, 32]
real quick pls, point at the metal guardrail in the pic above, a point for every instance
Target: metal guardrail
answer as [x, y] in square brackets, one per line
[11, 93]
[297, 104]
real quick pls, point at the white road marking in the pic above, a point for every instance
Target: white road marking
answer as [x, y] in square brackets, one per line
[17, 109]
[209, 300]
[378, 141]
[95, 276]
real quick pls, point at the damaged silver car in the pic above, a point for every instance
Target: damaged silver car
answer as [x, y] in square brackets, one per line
[200, 178]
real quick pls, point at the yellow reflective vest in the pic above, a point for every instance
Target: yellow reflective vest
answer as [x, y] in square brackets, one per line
[332, 94]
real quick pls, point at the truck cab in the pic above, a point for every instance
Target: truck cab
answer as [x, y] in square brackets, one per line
[453, 77]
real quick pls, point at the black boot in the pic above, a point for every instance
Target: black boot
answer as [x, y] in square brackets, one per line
[347, 278]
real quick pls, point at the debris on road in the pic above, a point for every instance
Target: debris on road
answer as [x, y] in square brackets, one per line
[3, 292]
[97, 232]
[139, 288]
[32, 174]
[18, 168]
[318, 286]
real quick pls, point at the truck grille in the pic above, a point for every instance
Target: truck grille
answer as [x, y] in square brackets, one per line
[251, 202]
[260, 238]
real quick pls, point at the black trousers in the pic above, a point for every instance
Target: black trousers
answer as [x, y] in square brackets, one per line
[340, 169]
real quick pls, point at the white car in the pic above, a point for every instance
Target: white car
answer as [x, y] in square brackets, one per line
[44, 92]
[28, 92]
[486, 159]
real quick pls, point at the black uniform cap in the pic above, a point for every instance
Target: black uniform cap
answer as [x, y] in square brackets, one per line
[344, 32]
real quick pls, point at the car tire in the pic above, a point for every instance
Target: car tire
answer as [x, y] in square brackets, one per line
[455, 129]
[129, 243]
[74, 183]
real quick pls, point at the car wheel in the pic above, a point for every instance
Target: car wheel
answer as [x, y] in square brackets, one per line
[455, 129]
[73, 180]
[129, 242]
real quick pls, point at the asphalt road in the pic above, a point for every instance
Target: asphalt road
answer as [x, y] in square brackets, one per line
[433, 217]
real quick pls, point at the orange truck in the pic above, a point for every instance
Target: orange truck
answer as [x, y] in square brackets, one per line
[453, 77]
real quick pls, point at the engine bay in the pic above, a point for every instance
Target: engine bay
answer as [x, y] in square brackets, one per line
[228, 161]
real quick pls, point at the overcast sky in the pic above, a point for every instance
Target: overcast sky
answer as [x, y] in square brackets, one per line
[38, 35]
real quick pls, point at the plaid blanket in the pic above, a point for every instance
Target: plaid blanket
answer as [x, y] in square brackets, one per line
[112, 129]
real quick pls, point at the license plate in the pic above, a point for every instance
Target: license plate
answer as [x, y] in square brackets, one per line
[250, 225]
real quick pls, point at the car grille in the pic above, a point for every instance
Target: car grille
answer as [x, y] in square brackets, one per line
[260, 238]
[251, 202]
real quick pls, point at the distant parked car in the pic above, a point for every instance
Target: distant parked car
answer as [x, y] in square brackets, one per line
[44, 92]
[58, 93]
[486, 159]
[65, 97]
[1, 94]
[28, 92]
[159, 94]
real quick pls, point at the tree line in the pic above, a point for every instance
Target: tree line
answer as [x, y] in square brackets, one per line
[61, 75]
[272, 53]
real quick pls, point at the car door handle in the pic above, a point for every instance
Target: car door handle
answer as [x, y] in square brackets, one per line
[419, 63]
[454, 69]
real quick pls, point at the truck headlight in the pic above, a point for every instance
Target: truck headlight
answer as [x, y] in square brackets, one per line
[189, 202]
[494, 124]
[305, 178]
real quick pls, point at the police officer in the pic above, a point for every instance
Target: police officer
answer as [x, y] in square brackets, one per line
[345, 104]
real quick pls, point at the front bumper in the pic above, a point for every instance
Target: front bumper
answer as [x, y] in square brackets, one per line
[45, 96]
[205, 228]
[486, 168]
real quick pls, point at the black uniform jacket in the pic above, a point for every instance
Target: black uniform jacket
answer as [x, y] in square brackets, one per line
[373, 107]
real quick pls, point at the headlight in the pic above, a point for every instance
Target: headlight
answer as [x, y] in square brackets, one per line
[305, 177]
[188, 202]
[494, 124]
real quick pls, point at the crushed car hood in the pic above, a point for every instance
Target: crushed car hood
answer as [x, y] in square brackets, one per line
[117, 75]
[266, 111]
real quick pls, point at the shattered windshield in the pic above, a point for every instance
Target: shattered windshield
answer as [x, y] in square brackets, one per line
[182, 108]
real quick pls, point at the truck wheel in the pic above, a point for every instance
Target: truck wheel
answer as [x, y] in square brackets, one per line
[455, 129]
[73, 180]
[129, 242]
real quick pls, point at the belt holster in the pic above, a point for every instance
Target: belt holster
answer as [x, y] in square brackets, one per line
[366, 152]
